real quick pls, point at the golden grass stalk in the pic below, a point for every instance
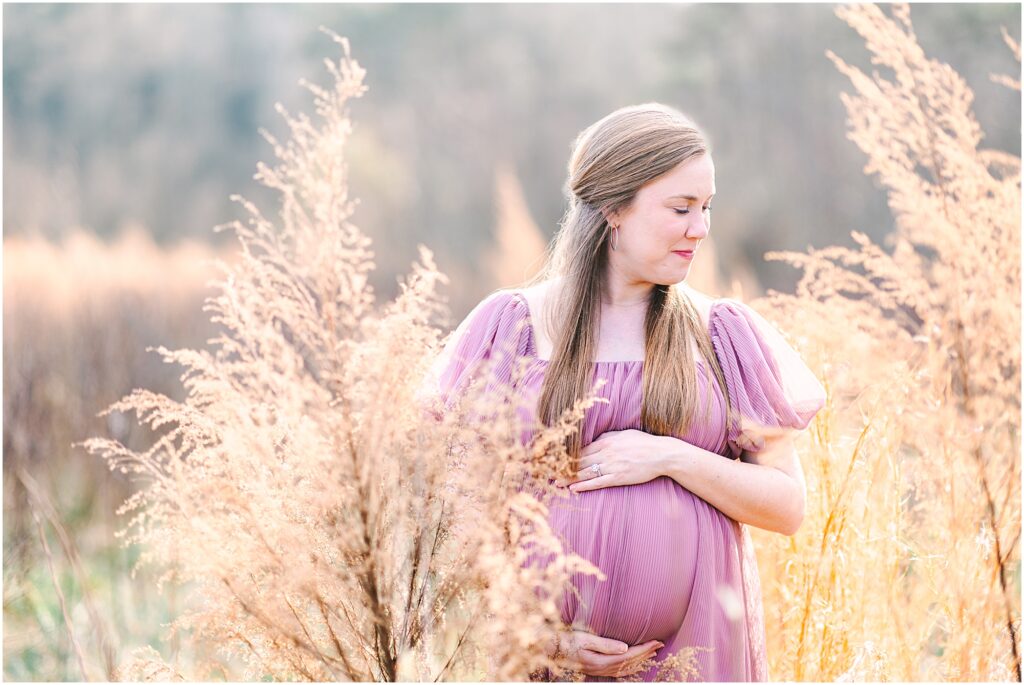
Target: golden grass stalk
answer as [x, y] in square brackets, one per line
[41, 507]
[60, 595]
[340, 516]
[520, 244]
[907, 566]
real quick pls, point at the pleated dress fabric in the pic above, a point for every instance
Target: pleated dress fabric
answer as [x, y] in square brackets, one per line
[677, 569]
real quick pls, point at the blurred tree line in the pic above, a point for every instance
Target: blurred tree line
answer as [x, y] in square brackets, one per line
[148, 114]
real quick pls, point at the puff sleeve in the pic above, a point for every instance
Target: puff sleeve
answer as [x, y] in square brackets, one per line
[769, 385]
[496, 328]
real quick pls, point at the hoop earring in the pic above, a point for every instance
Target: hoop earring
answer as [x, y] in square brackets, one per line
[615, 238]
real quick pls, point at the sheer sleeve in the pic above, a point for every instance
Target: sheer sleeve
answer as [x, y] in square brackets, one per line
[495, 328]
[769, 385]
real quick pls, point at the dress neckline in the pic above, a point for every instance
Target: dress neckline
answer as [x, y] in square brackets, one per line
[532, 342]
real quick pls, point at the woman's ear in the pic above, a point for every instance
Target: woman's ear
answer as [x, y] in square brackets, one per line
[611, 217]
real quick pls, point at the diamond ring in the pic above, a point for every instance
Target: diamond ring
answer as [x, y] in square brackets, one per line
[596, 470]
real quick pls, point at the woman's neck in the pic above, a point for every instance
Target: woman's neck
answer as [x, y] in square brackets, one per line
[621, 294]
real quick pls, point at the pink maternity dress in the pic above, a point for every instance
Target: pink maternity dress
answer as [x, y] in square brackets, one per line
[677, 569]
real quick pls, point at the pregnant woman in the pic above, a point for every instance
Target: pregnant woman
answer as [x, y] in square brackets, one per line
[671, 468]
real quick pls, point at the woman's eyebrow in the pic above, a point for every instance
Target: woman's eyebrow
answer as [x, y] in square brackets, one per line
[687, 197]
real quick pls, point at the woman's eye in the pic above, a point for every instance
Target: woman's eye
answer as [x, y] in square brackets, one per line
[687, 211]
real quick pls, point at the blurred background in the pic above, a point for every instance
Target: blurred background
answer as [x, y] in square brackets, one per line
[126, 128]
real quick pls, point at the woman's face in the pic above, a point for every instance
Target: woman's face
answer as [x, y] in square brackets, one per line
[669, 214]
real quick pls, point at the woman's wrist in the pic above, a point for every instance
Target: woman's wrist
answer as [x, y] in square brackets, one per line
[555, 648]
[675, 458]
[558, 654]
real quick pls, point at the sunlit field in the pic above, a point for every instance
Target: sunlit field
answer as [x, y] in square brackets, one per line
[227, 465]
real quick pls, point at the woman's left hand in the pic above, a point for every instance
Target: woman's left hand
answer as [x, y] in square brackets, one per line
[626, 457]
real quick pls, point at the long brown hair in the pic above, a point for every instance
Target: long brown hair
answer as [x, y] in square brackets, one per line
[610, 161]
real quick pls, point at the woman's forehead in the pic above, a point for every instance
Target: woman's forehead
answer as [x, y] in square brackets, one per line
[686, 182]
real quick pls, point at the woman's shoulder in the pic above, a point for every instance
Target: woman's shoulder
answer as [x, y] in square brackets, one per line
[502, 301]
[702, 302]
[730, 314]
[719, 309]
[767, 378]
[536, 298]
[497, 325]
[536, 294]
[501, 313]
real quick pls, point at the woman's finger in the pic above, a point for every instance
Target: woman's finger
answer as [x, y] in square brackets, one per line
[643, 661]
[633, 668]
[603, 645]
[599, 661]
[637, 663]
[591, 448]
[593, 483]
[582, 475]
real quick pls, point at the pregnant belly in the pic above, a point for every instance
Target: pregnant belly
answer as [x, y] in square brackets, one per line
[644, 538]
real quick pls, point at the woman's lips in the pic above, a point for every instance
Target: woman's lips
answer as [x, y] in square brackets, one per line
[685, 254]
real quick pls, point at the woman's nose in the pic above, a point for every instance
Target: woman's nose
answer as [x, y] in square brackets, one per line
[699, 228]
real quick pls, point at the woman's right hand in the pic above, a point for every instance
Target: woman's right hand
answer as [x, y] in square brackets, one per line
[601, 656]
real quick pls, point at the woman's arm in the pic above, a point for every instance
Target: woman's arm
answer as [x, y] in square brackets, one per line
[765, 489]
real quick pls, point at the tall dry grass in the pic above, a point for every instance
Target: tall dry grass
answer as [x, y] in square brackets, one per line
[519, 250]
[77, 318]
[340, 515]
[907, 566]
